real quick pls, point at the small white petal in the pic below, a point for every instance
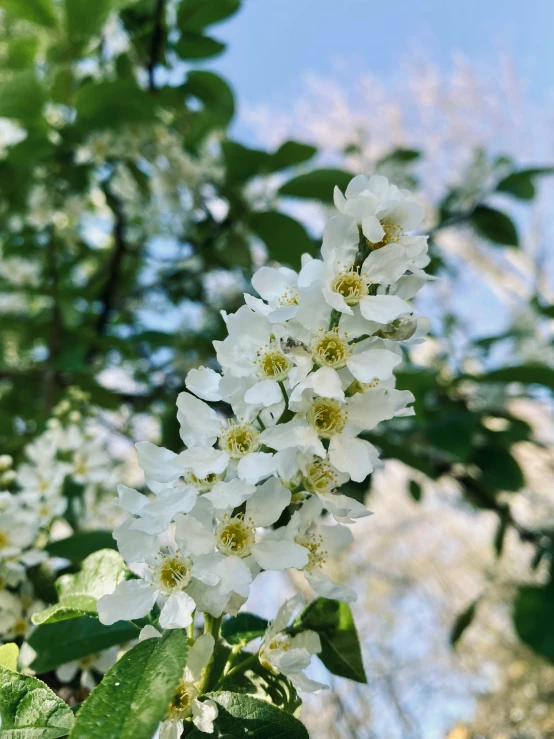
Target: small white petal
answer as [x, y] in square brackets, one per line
[264, 393]
[149, 632]
[351, 455]
[373, 363]
[383, 308]
[177, 611]
[204, 382]
[372, 229]
[199, 655]
[255, 467]
[267, 503]
[130, 599]
[326, 383]
[273, 554]
[203, 460]
[204, 713]
[157, 462]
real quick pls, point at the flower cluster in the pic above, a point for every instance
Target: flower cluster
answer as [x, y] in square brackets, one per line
[64, 480]
[307, 369]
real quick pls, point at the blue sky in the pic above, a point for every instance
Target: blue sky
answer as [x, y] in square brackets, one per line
[273, 44]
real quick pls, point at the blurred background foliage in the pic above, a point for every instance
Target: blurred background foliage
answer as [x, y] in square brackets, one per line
[129, 217]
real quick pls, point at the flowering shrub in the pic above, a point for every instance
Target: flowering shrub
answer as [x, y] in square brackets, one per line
[307, 370]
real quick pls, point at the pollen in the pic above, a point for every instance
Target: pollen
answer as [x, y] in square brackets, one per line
[235, 536]
[330, 350]
[319, 477]
[203, 484]
[316, 553]
[350, 284]
[173, 573]
[289, 297]
[240, 439]
[327, 416]
[392, 233]
[181, 705]
[273, 365]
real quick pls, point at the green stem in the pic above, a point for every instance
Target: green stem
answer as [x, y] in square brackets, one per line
[211, 626]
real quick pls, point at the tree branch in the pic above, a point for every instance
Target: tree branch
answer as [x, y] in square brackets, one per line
[158, 34]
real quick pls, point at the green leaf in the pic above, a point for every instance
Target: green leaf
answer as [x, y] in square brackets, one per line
[78, 594]
[242, 163]
[526, 374]
[135, 693]
[453, 434]
[415, 490]
[290, 154]
[533, 617]
[21, 96]
[333, 621]
[244, 716]
[66, 641]
[463, 620]
[21, 52]
[521, 184]
[85, 20]
[196, 46]
[41, 12]
[194, 15]
[498, 470]
[495, 226]
[259, 682]
[80, 545]
[243, 628]
[8, 656]
[110, 104]
[30, 710]
[316, 185]
[217, 99]
[501, 529]
[400, 156]
[285, 238]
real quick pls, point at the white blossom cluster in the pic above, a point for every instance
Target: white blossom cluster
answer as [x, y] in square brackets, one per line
[35, 501]
[307, 368]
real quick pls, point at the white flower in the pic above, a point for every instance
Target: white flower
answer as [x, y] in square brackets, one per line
[279, 290]
[186, 701]
[290, 655]
[87, 666]
[226, 553]
[166, 575]
[340, 422]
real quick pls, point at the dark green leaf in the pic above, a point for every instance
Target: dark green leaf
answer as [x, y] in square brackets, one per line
[79, 593]
[65, 641]
[494, 225]
[40, 12]
[194, 15]
[244, 716]
[400, 156]
[80, 545]
[109, 104]
[415, 490]
[463, 620]
[21, 52]
[316, 185]
[21, 96]
[290, 154]
[521, 184]
[332, 619]
[242, 163]
[453, 434]
[527, 374]
[217, 99]
[135, 693]
[243, 628]
[196, 46]
[285, 238]
[498, 470]
[534, 618]
[30, 710]
[85, 20]
[501, 529]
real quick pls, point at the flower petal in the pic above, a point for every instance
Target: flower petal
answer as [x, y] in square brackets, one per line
[272, 554]
[204, 382]
[177, 611]
[130, 599]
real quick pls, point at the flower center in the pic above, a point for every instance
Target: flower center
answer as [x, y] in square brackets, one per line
[20, 627]
[273, 365]
[181, 705]
[327, 416]
[314, 544]
[203, 484]
[235, 536]
[350, 284]
[4, 539]
[173, 573]
[392, 233]
[289, 297]
[240, 439]
[319, 477]
[329, 350]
